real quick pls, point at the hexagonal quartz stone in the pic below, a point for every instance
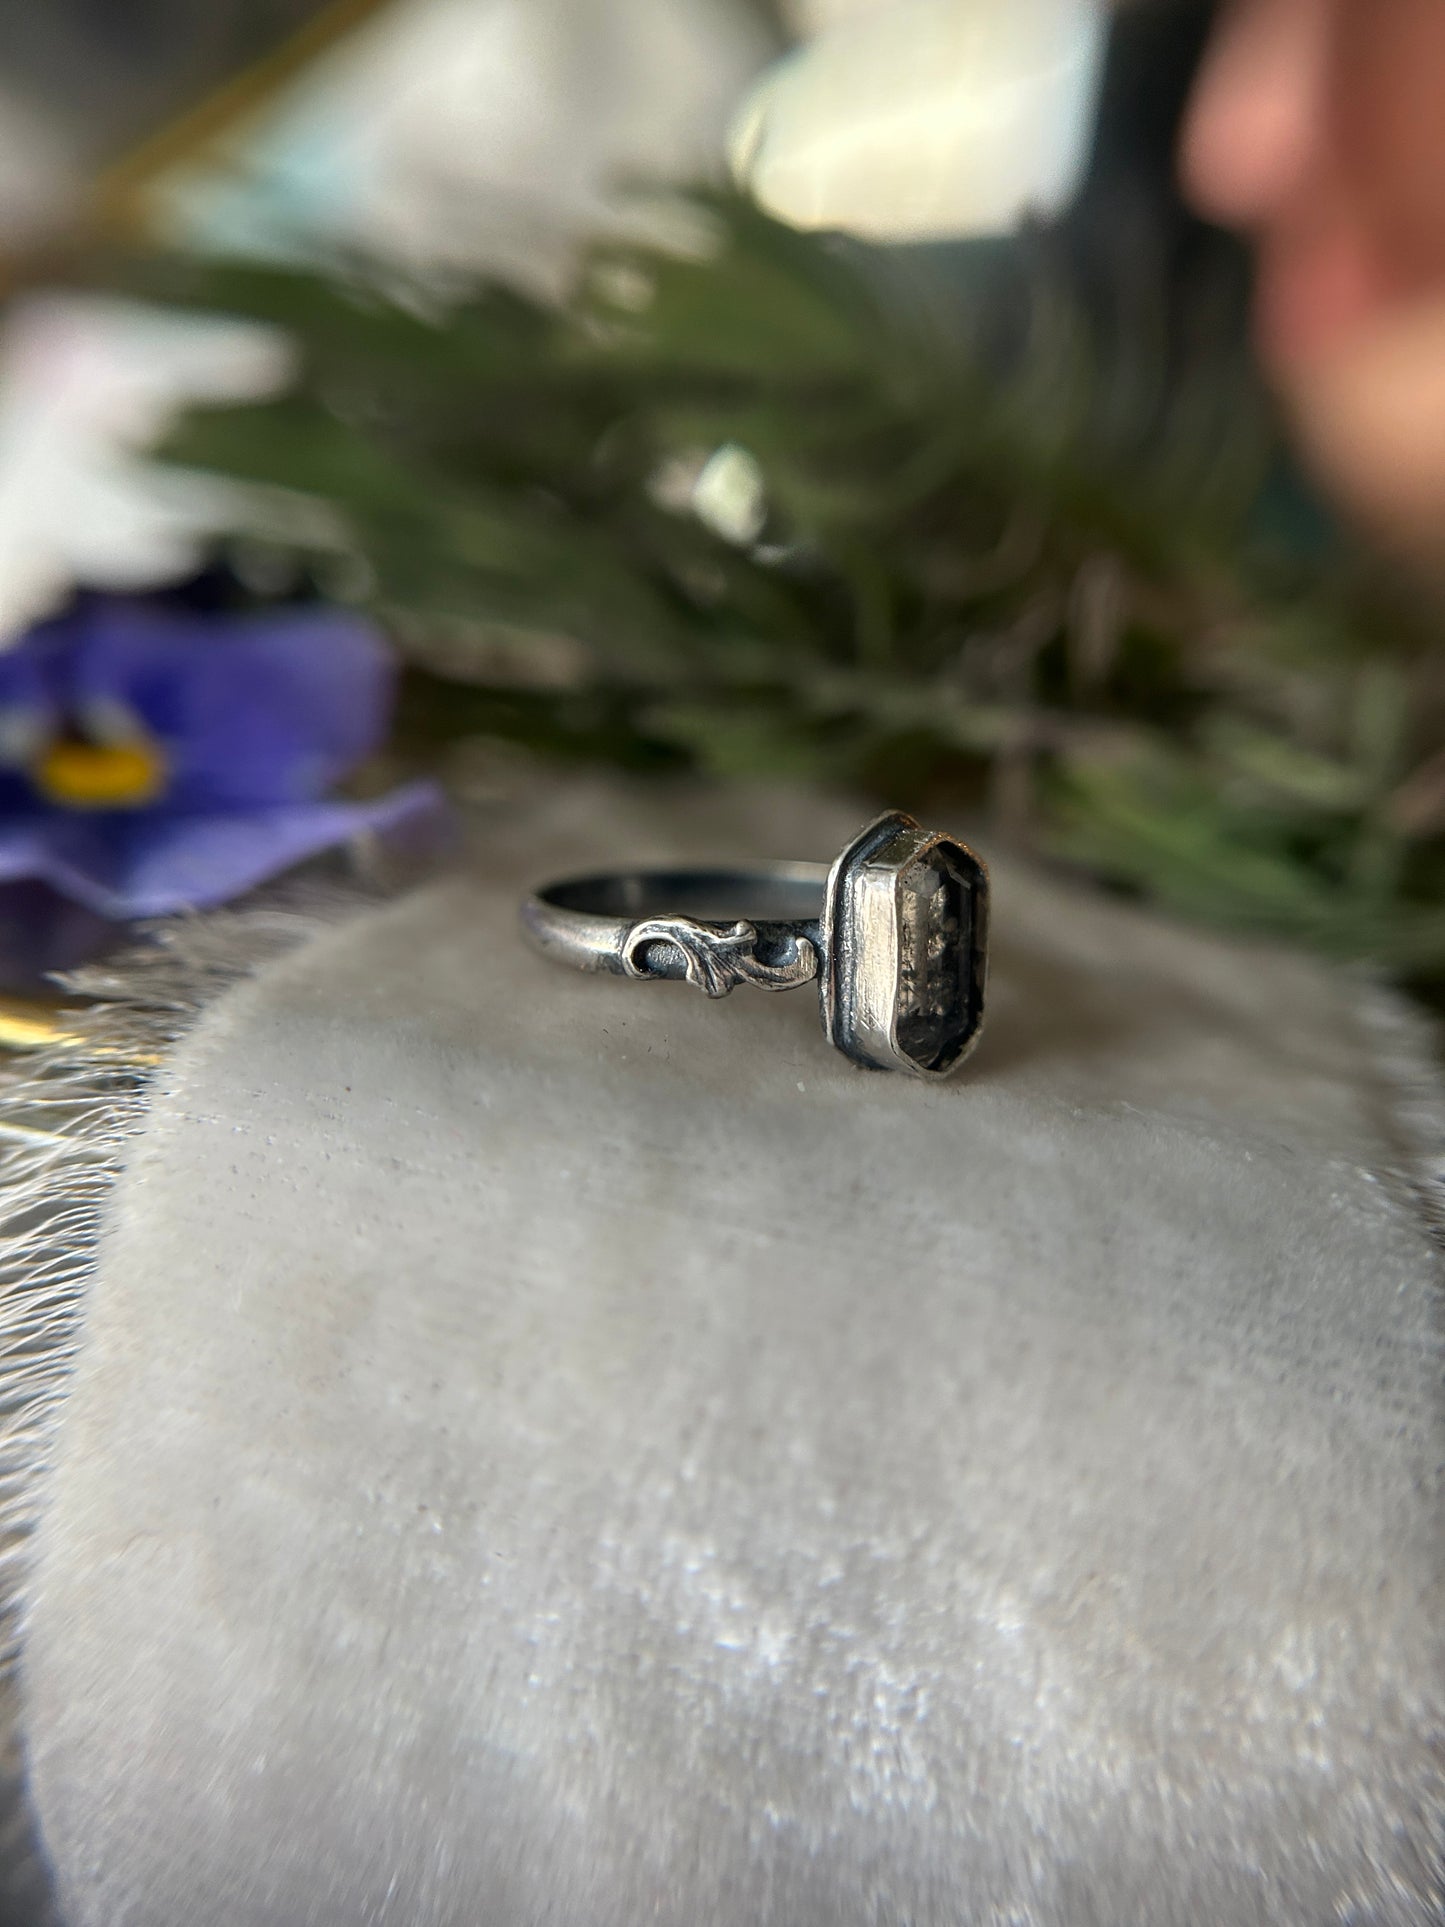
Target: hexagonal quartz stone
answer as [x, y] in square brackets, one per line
[932, 1017]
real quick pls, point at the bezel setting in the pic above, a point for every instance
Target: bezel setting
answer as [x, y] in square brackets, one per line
[905, 929]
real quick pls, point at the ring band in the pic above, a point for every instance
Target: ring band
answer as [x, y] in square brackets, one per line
[895, 934]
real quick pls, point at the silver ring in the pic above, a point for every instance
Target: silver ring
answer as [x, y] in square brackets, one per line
[895, 934]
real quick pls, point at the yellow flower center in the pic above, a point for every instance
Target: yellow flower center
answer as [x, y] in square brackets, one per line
[101, 776]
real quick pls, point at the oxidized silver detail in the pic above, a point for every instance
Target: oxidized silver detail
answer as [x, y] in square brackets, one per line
[717, 961]
[895, 936]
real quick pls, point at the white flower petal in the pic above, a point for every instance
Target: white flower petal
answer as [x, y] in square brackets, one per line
[85, 385]
[927, 119]
[728, 496]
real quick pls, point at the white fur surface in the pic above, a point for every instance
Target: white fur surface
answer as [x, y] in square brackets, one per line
[550, 1449]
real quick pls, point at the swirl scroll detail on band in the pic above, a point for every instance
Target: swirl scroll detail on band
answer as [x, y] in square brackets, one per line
[717, 961]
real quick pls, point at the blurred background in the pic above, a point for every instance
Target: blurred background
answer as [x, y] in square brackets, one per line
[833, 390]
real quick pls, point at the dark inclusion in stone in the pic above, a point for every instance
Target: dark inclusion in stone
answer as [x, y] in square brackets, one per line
[934, 916]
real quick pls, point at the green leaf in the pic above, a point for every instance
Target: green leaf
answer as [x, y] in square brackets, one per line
[952, 452]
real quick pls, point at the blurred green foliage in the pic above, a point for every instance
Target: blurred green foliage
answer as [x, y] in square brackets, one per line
[996, 562]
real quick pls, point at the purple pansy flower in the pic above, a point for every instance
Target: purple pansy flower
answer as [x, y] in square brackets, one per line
[154, 759]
